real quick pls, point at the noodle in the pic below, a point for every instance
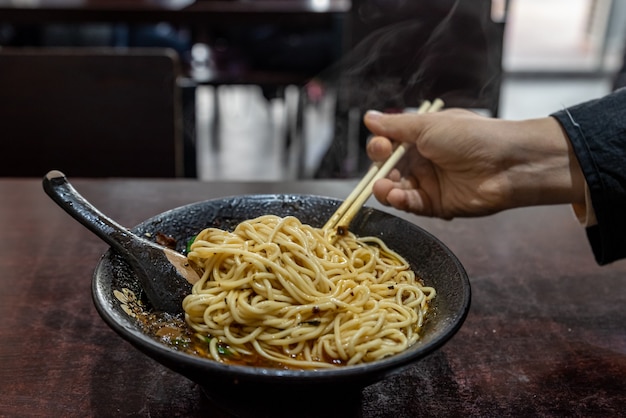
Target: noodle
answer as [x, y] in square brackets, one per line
[284, 291]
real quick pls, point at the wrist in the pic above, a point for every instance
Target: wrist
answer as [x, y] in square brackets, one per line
[546, 169]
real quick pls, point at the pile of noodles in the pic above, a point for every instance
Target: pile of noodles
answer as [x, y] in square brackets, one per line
[283, 290]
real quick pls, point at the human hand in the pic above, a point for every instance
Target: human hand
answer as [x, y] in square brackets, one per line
[464, 164]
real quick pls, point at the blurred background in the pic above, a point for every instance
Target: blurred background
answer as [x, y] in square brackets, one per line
[264, 102]
[555, 53]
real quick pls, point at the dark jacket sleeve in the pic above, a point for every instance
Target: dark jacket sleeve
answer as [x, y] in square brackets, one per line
[597, 131]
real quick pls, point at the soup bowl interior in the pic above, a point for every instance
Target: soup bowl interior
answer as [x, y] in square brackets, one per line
[430, 259]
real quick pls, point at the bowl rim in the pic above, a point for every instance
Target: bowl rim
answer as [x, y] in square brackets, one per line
[188, 361]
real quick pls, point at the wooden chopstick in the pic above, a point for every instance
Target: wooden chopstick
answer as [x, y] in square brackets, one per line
[363, 184]
[356, 199]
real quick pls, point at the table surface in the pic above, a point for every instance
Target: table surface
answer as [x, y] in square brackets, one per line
[545, 334]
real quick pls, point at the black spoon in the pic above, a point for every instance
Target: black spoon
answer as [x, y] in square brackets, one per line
[165, 275]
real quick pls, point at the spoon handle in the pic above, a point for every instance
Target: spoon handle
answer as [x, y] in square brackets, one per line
[165, 275]
[65, 195]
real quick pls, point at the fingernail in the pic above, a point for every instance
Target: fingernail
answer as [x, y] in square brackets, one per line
[373, 114]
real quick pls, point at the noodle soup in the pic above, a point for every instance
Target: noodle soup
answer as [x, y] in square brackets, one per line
[278, 293]
[173, 344]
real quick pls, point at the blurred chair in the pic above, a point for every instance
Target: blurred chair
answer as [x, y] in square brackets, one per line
[276, 57]
[93, 112]
[400, 53]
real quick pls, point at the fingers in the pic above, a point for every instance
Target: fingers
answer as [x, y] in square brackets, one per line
[381, 190]
[402, 196]
[388, 130]
[401, 189]
[379, 148]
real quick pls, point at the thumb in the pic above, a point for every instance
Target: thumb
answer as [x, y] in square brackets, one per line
[398, 126]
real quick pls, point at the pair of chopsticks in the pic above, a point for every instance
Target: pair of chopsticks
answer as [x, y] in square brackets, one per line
[340, 220]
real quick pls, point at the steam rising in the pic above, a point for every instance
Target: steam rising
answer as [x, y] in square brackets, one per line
[408, 52]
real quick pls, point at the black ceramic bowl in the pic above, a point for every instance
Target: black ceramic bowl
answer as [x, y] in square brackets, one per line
[429, 258]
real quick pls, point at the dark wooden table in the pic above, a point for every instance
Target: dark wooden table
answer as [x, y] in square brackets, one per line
[545, 335]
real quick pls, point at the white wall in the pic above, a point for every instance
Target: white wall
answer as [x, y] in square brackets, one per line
[563, 35]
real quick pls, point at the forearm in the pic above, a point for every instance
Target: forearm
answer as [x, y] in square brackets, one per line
[545, 169]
